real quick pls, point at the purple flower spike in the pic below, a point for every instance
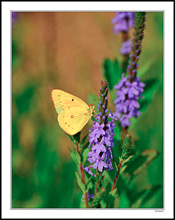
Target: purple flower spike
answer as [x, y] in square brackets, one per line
[123, 21]
[101, 137]
[100, 147]
[126, 103]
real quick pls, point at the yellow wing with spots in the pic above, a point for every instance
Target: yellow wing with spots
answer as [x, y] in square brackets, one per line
[73, 113]
[73, 120]
[63, 100]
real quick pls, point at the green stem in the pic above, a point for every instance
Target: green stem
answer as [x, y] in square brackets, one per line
[124, 63]
[83, 177]
[125, 37]
[116, 177]
[98, 182]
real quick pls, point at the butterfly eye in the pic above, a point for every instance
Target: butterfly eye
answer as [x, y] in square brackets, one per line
[72, 100]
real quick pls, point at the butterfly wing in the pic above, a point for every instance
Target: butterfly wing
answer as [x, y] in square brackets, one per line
[63, 100]
[73, 113]
[73, 119]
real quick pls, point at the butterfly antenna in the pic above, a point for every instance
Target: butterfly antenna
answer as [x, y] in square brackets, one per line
[94, 100]
[92, 103]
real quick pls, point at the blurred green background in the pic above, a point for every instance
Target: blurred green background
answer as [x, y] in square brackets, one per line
[65, 50]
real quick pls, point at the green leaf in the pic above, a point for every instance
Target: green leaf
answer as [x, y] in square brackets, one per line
[150, 194]
[117, 70]
[123, 168]
[136, 198]
[71, 138]
[85, 154]
[112, 72]
[116, 150]
[106, 183]
[77, 137]
[109, 199]
[82, 205]
[122, 183]
[150, 87]
[144, 104]
[124, 163]
[75, 156]
[109, 176]
[103, 204]
[124, 200]
[113, 193]
[82, 142]
[139, 162]
[144, 196]
[89, 180]
[116, 167]
[127, 159]
[89, 183]
[117, 131]
[80, 183]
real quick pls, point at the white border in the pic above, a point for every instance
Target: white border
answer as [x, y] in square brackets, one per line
[167, 7]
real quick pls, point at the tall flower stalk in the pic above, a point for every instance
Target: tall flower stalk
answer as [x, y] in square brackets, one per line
[136, 45]
[101, 137]
[130, 89]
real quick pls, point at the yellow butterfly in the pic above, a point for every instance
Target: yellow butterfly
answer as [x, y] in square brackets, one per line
[73, 113]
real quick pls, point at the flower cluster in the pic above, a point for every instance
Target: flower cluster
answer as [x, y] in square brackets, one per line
[123, 21]
[101, 136]
[126, 103]
[126, 47]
